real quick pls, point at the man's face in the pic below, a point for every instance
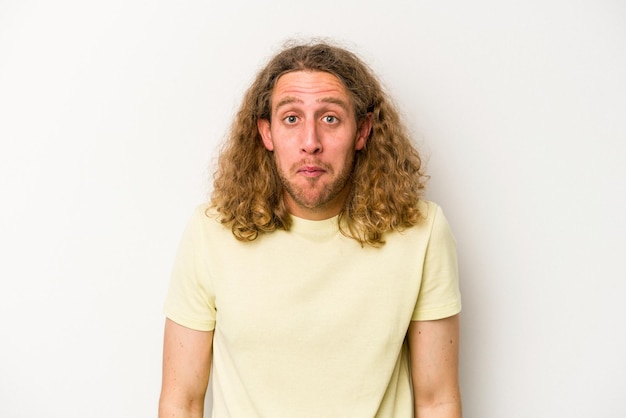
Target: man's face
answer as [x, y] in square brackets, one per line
[314, 136]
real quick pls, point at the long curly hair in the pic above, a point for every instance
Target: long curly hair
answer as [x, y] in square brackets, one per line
[387, 178]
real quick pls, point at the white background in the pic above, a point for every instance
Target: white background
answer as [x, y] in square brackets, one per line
[110, 114]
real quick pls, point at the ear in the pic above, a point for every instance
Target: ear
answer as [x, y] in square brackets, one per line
[263, 125]
[363, 132]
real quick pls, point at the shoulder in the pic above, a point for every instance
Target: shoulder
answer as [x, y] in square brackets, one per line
[204, 223]
[428, 208]
[432, 213]
[436, 223]
[205, 214]
[432, 226]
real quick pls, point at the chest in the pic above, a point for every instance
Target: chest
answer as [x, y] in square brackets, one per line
[289, 286]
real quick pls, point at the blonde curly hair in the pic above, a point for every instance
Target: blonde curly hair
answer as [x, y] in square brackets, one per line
[387, 178]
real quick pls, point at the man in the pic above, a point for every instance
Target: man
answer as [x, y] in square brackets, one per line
[317, 282]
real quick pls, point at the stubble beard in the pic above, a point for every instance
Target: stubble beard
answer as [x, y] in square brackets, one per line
[310, 196]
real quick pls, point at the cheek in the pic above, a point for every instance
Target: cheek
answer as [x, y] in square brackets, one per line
[282, 157]
[347, 152]
[281, 151]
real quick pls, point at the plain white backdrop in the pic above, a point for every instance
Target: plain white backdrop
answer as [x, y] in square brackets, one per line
[110, 116]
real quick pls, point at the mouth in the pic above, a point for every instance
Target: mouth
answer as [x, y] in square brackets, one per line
[311, 171]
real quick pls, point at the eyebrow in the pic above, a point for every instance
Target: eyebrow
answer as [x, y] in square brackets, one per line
[291, 99]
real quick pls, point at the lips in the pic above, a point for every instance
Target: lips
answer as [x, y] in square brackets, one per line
[311, 170]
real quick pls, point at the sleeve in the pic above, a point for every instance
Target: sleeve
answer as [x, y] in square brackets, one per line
[190, 299]
[439, 296]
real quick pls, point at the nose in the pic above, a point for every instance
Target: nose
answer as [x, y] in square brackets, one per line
[311, 143]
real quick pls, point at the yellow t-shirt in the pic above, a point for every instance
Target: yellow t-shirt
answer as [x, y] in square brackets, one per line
[308, 323]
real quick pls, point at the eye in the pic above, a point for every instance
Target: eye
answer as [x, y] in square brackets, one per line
[291, 119]
[330, 119]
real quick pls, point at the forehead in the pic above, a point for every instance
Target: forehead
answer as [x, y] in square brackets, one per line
[309, 85]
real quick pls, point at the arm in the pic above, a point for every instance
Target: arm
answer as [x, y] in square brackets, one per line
[186, 366]
[434, 352]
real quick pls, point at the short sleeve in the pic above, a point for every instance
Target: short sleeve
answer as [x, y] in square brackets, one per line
[439, 296]
[190, 299]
